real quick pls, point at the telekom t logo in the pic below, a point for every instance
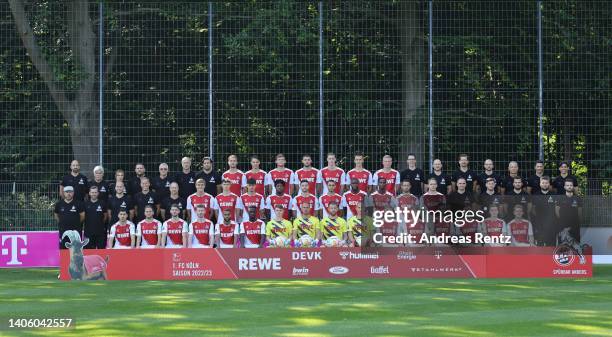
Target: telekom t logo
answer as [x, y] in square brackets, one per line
[12, 250]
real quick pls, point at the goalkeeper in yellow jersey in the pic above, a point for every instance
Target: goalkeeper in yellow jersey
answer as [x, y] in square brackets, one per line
[333, 228]
[278, 230]
[359, 228]
[306, 228]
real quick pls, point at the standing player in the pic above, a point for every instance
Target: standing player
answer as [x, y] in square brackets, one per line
[415, 175]
[559, 182]
[307, 173]
[256, 174]
[279, 198]
[186, 178]
[481, 178]
[328, 198]
[507, 182]
[520, 229]
[306, 227]
[464, 172]
[352, 198]
[331, 173]
[442, 179]
[278, 229]
[121, 234]
[234, 175]
[230, 201]
[461, 197]
[211, 178]
[148, 231]
[227, 231]
[279, 173]
[253, 199]
[133, 185]
[203, 198]
[569, 210]
[174, 230]
[391, 176]
[363, 176]
[145, 197]
[305, 197]
[517, 196]
[95, 220]
[254, 229]
[173, 198]
[100, 183]
[201, 231]
[494, 225]
[533, 182]
[76, 180]
[490, 196]
[332, 226]
[543, 207]
[161, 183]
[119, 200]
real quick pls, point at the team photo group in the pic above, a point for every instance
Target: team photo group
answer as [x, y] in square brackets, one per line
[312, 207]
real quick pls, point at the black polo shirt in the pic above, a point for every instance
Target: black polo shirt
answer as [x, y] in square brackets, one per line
[485, 200]
[559, 183]
[507, 180]
[416, 177]
[69, 215]
[443, 181]
[534, 182]
[115, 204]
[167, 203]
[457, 201]
[133, 185]
[103, 189]
[512, 198]
[212, 179]
[186, 182]
[482, 177]
[141, 200]
[469, 176]
[161, 187]
[94, 218]
[78, 182]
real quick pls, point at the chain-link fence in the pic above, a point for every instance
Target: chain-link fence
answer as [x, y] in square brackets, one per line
[145, 81]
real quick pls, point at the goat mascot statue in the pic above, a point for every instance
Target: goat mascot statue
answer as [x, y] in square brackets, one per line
[90, 267]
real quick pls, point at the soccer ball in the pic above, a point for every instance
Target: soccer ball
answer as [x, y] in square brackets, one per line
[304, 241]
[332, 241]
[280, 242]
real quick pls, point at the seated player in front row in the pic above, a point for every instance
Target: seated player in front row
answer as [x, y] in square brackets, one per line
[357, 226]
[494, 225]
[306, 228]
[228, 231]
[174, 230]
[520, 229]
[122, 233]
[201, 231]
[278, 230]
[333, 228]
[253, 229]
[148, 231]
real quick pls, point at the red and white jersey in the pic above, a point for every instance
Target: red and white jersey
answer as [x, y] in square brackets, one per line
[440, 227]
[307, 174]
[326, 174]
[149, 233]
[228, 201]
[253, 231]
[408, 201]
[434, 201]
[364, 176]
[201, 233]
[382, 201]
[236, 180]
[256, 200]
[327, 199]
[309, 199]
[227, 234]
[174, 230]
[494, 227]
[392, 177]
[259, 177]
[520, 230]
[285, 200]
[350, 200]
[418, 229]
[122, 234]
[209, 202]
[469, 229]
[285, 175]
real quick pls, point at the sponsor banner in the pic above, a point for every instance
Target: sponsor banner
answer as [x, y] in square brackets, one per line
[243, 263]
[29, 249]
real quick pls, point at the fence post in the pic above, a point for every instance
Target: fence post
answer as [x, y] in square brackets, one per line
[430, 42]
[100, 80]
[210, 80]
[321, 128]
[540, 86]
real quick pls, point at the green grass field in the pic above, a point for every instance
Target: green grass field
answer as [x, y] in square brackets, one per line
[432, 307]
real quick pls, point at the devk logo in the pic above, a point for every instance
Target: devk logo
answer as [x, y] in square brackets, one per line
[13, 241]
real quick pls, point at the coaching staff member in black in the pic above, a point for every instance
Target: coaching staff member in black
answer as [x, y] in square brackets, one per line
[69, 214]
[96, 217]
[76, 180]
[211, 177]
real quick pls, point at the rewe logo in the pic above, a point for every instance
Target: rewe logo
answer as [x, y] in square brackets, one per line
[259, 264]
[12, 251]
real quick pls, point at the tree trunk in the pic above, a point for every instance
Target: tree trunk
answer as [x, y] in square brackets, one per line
[414, 89]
